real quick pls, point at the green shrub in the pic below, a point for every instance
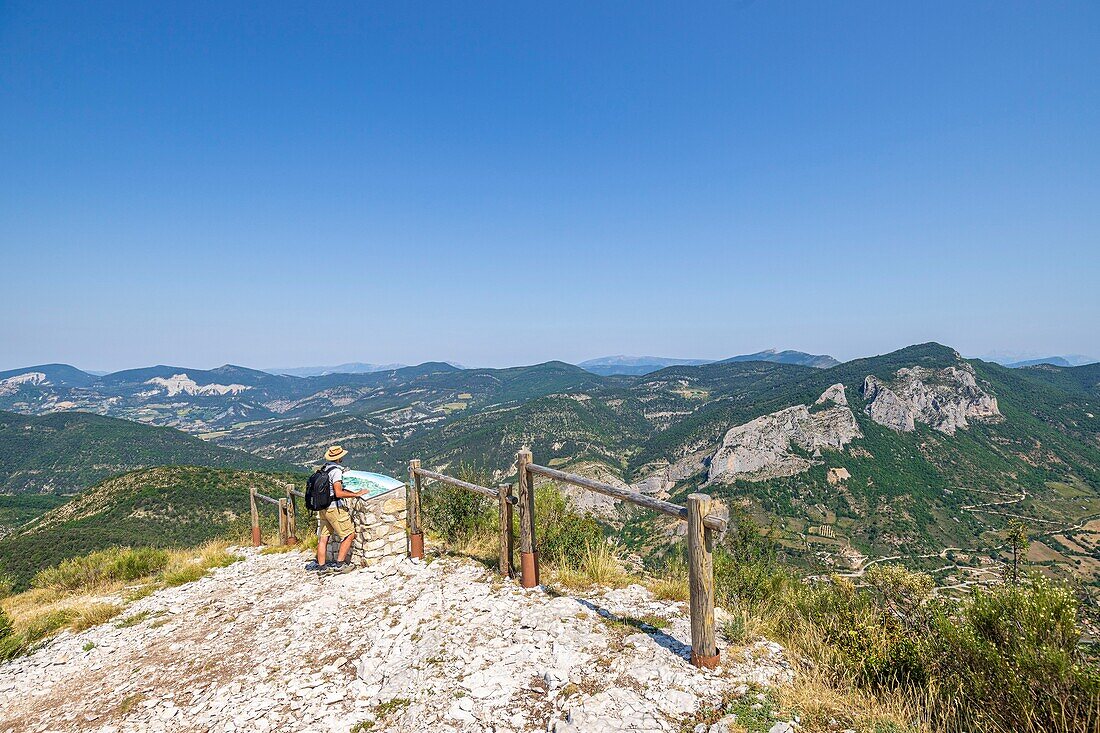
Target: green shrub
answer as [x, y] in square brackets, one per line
[5, 625]
[1009, 659]
[119, 564]
[747, 567]
[869, 643]
[560, 530]
[457, 515]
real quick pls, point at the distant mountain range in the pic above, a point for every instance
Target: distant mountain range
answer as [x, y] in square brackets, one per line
[355, 367]
[640, 365]
[1060, 361]
[1015, 361]
[904, 453]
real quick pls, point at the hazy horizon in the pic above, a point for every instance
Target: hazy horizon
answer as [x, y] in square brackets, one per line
[498, 185]
[1000, 357]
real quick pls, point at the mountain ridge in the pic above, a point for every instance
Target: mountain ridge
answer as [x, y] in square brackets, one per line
[642, 365]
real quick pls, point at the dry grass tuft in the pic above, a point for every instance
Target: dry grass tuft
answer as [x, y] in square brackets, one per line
[93, 614]
[185, 566]
[597, 565]
[831, 704]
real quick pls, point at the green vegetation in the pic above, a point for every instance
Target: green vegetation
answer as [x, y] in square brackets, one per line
[18, 509]
[570, 543]
[164, 507]
[65, 452]
[70, 594]
[1005, 658]
[101, 568]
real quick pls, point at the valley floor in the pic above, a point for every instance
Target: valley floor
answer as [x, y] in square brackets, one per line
[262, 645]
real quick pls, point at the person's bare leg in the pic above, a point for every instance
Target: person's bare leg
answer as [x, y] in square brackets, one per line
[322, 546]
[345, 547]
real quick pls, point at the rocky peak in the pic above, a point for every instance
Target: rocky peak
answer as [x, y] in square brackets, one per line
[944, 399]
[764, 448]
[834, 394]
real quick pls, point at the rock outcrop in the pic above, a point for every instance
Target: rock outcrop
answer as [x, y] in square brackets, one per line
[263, 646]
[664, 477]
[834, 394]
[944, 399]
[12, 385]
[763, 448]
[183, 384]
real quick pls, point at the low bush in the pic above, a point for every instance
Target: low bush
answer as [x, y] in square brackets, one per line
[1016, 650]
[118, 564]
[15, 643]
[747, 568]
[1006, 658]
[560, 530]
[597, 564]
[6, 627]
[455, 515]
[93, 614]
[566, 539]
[186, 566]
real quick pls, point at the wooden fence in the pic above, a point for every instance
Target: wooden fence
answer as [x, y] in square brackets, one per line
[703, 528]
[503, 495]
[288, 523]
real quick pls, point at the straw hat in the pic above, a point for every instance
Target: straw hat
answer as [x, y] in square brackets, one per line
[335, 453]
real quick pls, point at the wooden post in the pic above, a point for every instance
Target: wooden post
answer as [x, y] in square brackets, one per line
[412, 511]
[528, 553]
[291, 518]
[700, 543]
[504, 496]
[255, 517]
[282, 521]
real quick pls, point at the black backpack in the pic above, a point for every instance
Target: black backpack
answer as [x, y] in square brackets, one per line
[319, 490]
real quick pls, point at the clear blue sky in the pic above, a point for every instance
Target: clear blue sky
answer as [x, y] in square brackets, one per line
[201, 183]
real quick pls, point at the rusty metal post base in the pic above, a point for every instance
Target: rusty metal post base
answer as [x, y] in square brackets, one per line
[416, 545]
[529, 565]
[710, 662]
[255, 536]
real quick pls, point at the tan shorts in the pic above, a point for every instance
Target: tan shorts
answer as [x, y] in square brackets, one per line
[335, 521]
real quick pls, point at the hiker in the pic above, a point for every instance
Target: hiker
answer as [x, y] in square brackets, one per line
[325, 494]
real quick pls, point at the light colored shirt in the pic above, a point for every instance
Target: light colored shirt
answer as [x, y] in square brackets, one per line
[335, 473]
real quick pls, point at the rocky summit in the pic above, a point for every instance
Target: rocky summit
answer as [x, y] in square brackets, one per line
[263, 645]
[762, 449]
[943, 399]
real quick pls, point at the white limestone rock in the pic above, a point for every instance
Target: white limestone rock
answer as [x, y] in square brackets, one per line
[762, 448]
[296, 652]
[944, 399]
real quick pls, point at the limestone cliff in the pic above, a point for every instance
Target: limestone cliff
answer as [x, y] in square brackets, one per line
[764, 448]
[944, 399]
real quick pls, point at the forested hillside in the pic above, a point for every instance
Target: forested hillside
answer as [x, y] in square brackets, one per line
[170, 506]
[63, 452]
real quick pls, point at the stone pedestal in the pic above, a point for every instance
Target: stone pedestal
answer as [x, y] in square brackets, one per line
[379, 529]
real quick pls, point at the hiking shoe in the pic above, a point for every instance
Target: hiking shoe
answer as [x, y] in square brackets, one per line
[312, 565]
[342, 567]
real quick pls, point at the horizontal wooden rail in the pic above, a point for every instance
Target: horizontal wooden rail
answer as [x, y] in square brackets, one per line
[443, 478]
[268, 499]
[503, 495]
[659, 505]
[297, 493]
[702, 527]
